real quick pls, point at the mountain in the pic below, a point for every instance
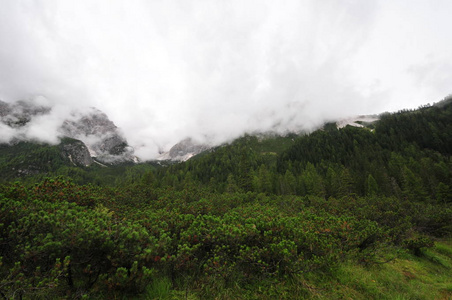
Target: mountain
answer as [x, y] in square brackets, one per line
[90, 138]
[77, 152]
[20, 113]
[95, 138]
[360, 121]
[188, 148]
[101, 136]
[184, 150]
[392, 152]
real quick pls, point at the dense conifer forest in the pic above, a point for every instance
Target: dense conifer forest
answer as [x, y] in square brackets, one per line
[355, 213]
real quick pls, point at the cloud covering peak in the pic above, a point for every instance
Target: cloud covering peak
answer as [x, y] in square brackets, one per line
[167, 70]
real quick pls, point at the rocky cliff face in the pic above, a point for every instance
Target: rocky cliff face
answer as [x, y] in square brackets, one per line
[184, 150]
[77, 152]
[97, 135]
[4, 109]
[20, 113]
[86, 136]
[101, 136]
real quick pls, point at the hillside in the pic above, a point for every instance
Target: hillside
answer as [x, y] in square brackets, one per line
[352, 212]
[404, 152]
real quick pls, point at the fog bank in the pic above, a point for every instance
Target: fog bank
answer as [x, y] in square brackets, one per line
[213, 70]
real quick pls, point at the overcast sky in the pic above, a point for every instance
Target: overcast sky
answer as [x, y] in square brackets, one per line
[166, 70]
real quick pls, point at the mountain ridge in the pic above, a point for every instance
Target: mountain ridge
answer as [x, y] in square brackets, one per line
[90, 138]
[91, 127]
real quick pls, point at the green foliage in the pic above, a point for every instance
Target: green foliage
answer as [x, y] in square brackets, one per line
[28, 159]
[416, 244]
[39, 230]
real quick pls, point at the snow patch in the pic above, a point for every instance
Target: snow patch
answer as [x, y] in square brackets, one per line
[353, 121]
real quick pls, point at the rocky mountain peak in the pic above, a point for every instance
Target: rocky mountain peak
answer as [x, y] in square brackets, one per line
[184, 150]
[21, 112]
[98, 134]
[4, 109]
[93, 122]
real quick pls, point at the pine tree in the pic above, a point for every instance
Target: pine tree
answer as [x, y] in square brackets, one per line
[245, 173]
[312, 181]
[347, 184]
[290, 183]
[231, 186]
[372, 186]
[412, 186]
[264, 179]
[443, 193]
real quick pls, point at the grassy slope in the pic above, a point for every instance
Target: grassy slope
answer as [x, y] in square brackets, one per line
[407, 277]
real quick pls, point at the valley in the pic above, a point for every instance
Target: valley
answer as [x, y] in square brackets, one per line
[340, 212]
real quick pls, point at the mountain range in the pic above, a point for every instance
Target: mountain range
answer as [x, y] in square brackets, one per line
[99, 139]
[88, 137]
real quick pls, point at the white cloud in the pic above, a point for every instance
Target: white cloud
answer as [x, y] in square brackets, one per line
[7, 133]
[165, 70]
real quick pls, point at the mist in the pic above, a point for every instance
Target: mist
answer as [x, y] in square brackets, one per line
[212, 70]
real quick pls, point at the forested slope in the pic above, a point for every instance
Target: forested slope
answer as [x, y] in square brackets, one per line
[404, 154]
[31, 162]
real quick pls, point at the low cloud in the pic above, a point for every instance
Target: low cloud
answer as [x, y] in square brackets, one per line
[35, 119]
[164, 71]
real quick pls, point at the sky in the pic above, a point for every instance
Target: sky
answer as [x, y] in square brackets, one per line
[213, 70]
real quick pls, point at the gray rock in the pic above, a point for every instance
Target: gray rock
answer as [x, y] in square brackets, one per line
[18, 114]
[98, 134]
[101, 136]
[5, 109]
[184, 150]
[77, 152]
